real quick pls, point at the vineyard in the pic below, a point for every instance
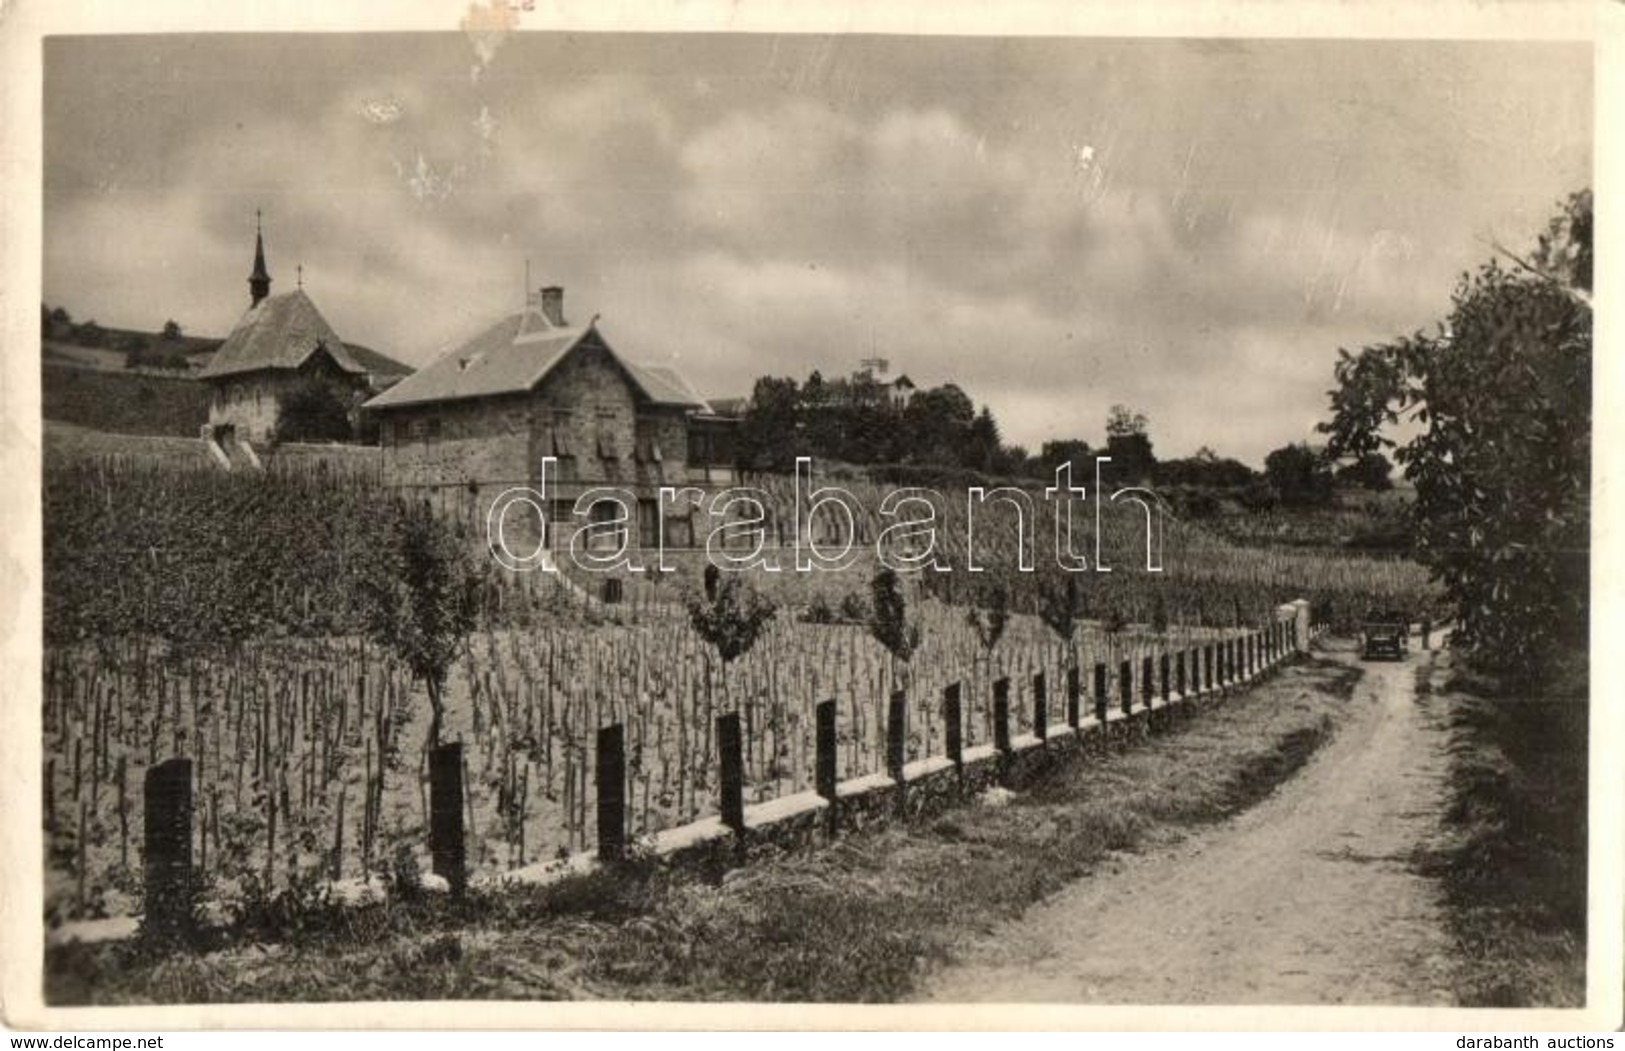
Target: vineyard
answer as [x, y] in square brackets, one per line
[221, 618]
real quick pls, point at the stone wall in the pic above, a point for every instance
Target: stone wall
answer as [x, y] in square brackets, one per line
[585, 413]
[452, 443]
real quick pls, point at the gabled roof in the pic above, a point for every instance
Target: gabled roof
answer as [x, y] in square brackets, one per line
[279, 332]
[513, 356]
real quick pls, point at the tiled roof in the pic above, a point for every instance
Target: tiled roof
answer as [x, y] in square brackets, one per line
[513, 356]
[279, 332]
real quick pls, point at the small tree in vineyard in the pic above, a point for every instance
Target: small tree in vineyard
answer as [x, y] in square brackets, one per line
[1159, 615]
[422, 602]
[990, 620]
[730, 617]
[1062, 607]
[889, 623]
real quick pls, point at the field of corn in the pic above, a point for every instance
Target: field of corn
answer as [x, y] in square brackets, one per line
[218, 617]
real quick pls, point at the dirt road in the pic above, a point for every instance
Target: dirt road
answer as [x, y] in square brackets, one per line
[1307, 898]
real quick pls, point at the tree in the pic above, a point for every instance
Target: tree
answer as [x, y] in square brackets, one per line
[135, 351]
[937, 425]
[422, 603]
[1301, 476]
[889, 623]
[730, 617]
[1502, 464]
[313, 412]
[90, 334]
[1070, 450]
[1128, 443]
[1123, 421]
[172, 330]
[982, 442]
[1062, 607]
[1370, 471]
[1206, 468]
[767, 434]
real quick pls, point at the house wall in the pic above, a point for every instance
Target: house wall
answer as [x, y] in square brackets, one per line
[251, 402]
[456, 442]
[463, 455]
[585, 413]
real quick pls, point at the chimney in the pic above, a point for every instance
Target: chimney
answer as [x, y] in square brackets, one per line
[553, 305]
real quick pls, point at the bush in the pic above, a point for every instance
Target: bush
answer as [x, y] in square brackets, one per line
[313, 413]
[1260, 496]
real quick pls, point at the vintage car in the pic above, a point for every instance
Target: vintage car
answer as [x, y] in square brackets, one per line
[1384, 633]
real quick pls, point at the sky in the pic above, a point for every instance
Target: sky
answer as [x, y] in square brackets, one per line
[1188, 227]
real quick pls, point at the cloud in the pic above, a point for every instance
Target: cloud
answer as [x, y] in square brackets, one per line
[1055, 225]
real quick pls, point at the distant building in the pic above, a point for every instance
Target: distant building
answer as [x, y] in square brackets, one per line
[483, 417]
[281, 345]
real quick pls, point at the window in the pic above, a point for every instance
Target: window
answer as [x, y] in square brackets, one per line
[699, 448]
[563, 421]
[648, 449]
[434, 429]
[607, 449]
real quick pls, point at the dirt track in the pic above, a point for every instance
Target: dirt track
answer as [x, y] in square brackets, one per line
[1309, 897]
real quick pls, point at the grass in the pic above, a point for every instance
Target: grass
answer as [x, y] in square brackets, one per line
[859, 921]
[1513, 858]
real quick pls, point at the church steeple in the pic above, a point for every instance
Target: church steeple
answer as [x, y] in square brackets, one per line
[259, 282]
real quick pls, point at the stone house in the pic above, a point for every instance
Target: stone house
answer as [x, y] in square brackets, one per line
[481, 419]
[282, 344]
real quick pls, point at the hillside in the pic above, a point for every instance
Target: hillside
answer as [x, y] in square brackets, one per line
[91, 345]
[88, 378]
[139, 403]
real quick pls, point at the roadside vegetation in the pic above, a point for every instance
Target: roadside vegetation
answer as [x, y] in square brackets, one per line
[1498, 399]
[1513, 858]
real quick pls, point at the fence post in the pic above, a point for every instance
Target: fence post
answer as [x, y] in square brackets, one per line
[1125, 687]
[1074, 695]
[446, 814]
[731, 762]
[825, 750]
[1427, 633]
[168, 854]
[1001, 716]
[896, 735]
[1179, 675]
[1167, 683]
[1207, 662]
[1100, 694]
[1148, 685]
[1040, 708]
[610, 774]
[954, 721]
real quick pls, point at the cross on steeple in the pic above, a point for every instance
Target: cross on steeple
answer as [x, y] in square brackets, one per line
[259, 282]
[300, 270]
